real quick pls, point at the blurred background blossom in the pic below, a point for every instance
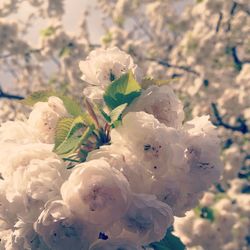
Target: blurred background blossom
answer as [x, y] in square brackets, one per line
[200, 47]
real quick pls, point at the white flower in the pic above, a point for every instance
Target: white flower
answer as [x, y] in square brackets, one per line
[104, 66]
[162, 103]
[59, 229]
[32, 176]
[180, 198]
[38, 180]
[122, 159]
[115, 244]
[94, 93]
[96, 193]
[183, 227]
[146, 220]
[18, 132]
[238, 192]
[14, 156]
[45, 116]
[202, 153]
[157, 147]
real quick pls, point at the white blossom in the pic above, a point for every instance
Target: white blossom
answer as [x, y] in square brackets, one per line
[162, 103]
[145, 221]
[96, 193]
[44, 118]
[59, 229]
[159, 148]
[102, 66]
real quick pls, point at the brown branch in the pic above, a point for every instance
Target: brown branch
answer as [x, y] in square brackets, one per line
[25, 54]
[219, 22]
[240, 126]
[170, 65]
[10, 96]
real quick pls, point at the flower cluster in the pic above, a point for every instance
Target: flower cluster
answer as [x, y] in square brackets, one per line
[110, 176]
[220, 221]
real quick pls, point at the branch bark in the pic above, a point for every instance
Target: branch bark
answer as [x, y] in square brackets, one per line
[170, 65]
[241, 125]
[10, 96]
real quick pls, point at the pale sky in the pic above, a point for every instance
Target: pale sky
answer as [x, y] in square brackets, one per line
[73, 11]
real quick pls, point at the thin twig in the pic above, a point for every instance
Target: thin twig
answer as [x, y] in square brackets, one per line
[219, 22]
[232, 12]
[9, 96]
[170, 65]
[241, 125]
[244, 8]
[25, 54]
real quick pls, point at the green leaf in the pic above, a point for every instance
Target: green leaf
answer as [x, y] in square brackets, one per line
[62, 129]
[122, 90]
[65, 51]
[39, 96]
[85, 136]
[71, 144]
[87, 119]
[105, 115]
[169, 242]
[48, 32]
[117, 112]
[66, 127]
[68, 146]
[71, 105]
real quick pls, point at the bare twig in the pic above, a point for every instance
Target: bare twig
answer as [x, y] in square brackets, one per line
[32, 51]
[170, 65]
[240, 126]
[237, 61]
[219, 22]
[244, 8]
[9, 96]
[232, 12]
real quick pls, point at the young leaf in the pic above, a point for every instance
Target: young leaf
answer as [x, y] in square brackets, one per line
[62, 130]
[71, 105]
[66, 127]
[39, 96]
[85, 136]
[169, 242]
[122, 90]
[117, 112]
[105, 115]
[48, 31]
[68, 146]
[87, 119]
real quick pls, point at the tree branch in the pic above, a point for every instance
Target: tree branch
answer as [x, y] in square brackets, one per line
[240, 126]
[244, 8]
[237, 62]
[25, 54]
[232, 12]
[169, 65]
[219, 22]
[10, 96]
